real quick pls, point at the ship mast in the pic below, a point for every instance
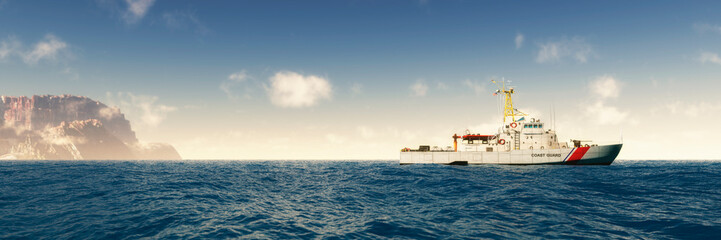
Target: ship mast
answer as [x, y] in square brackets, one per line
[508, 110]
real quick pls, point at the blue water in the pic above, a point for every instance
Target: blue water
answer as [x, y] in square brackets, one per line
[338, 200]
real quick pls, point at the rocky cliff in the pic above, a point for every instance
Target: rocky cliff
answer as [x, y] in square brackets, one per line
[70, 127]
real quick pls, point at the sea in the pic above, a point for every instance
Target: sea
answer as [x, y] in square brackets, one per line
[357, 200]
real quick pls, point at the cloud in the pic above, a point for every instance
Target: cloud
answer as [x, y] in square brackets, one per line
[335, 138]
[555, 51]
[705, 27]
[10, 46]
[603, 114]
[519, 40]
[45, 49]
[50, 48]
[141, 108]
[491, 125]
[71, 73]
[477, 88]
[232, 81]
[419, 89]
[356, 89]
[692, 110]
[366, 132]
[605, 87]
[548, 52]
[109, 113]
[441, 85]
[238, 77]
[137, 9]
[184, 20]
[602, 89]
[293, 90]
[709, 57]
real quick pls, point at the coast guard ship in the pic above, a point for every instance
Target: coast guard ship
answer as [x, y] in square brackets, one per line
[518, 141]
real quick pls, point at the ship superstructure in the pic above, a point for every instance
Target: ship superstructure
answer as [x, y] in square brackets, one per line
[520, 140]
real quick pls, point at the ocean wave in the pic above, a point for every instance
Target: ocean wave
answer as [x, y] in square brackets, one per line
[339, 200]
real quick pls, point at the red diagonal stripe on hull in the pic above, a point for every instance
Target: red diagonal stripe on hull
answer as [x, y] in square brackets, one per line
[578, 154]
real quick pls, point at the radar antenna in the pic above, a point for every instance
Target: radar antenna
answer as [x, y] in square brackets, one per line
[508, 110]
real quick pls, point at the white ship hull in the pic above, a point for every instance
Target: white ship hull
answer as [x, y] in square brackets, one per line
[592, 155]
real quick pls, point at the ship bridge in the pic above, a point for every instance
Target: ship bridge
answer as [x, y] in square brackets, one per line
[517, 135]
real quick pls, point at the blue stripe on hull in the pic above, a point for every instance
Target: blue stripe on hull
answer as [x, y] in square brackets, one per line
[569, 154]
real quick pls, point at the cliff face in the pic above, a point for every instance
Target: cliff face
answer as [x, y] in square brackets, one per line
[70, 127]
[39, 112]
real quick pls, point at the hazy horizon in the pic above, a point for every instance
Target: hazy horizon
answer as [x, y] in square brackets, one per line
[357, 80]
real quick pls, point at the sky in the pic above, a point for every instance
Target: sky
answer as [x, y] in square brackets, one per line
[362, 79]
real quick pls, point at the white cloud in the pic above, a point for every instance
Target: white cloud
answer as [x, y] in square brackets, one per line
[366, 132]
[137, 9]
[477, 88]
[233, 80]
[710, 57]
[109, 113]
[490, 126]
[335, 138]
[49, 48]
[602, 114]
[692, 109]
[290, 89]
[605, 87]
[519, 40]
[184, 20]
[549, 52]
[307, 143]
[9, 47]
[71, 73]
[419, 89]
[441, 85]
[602, 89]
[141, 108]
[238, 77]
[555, 51]
[356, 89]
[705, 27]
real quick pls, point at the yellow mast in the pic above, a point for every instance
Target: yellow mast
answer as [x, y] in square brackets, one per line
[508, 110]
